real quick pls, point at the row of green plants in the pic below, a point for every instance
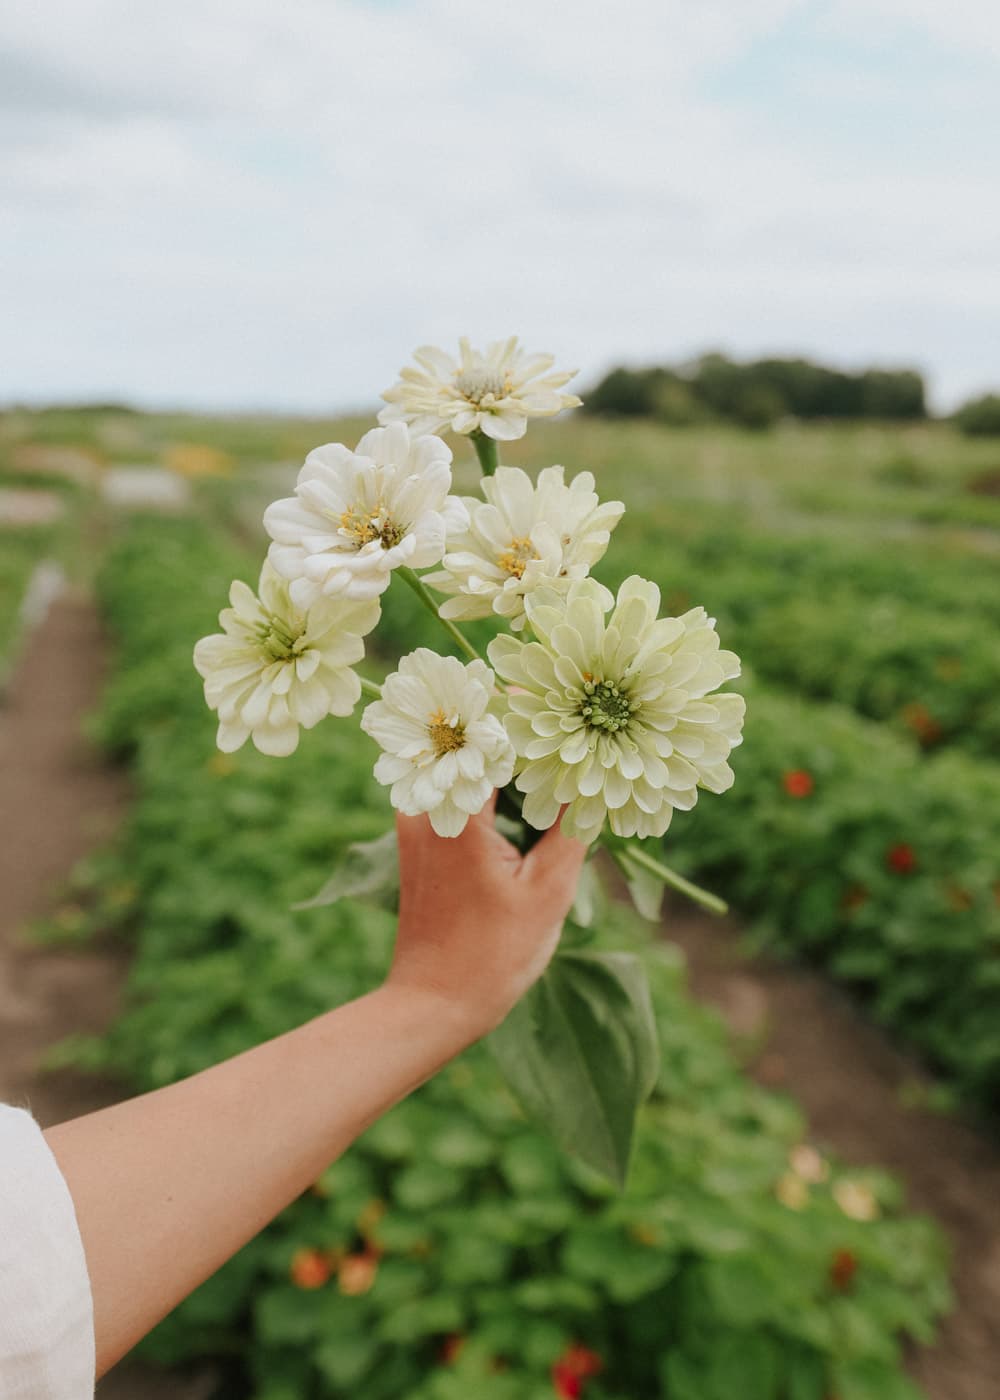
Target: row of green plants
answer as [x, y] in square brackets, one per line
[890, 637]
[454, 1252]
[849, 848]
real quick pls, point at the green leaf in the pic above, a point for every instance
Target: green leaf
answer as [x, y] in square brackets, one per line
[588, 894]
[345, 1359]
[367, 870]
[580, 1052]
[744, 1364]
[645, 888]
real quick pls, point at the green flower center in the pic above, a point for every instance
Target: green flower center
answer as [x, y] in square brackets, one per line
[277, 638]
[606, 705]
[445, 737]
[479, 384]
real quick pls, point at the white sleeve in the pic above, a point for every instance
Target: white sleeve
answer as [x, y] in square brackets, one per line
[46, 1309]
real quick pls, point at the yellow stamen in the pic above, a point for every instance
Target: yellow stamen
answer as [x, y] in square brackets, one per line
[363, 526]
[517, 557]
[445, 736]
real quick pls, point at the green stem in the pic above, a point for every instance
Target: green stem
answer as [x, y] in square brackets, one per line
[663, 872]
[370, 689]
[427, 598]
[486, 451]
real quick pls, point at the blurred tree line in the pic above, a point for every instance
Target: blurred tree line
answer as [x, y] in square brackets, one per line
[980, 417]
[758, 393]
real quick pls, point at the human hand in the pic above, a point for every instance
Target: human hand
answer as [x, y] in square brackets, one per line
[478, 922]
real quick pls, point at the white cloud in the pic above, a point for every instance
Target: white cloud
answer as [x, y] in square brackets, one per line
[239, 203]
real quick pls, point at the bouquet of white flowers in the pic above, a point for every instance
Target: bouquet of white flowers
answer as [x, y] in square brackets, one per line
[589, 705]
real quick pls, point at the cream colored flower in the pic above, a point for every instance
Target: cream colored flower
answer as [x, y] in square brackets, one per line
[526, 534]
[275, 668]
[356, 516]
[792, 1192]
[617, 717]
[444, 753]
[493, 393]
[856, 1200]
[808, 1164]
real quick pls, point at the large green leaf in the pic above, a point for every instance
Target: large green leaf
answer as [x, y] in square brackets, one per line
[580, 1052]
[367, 870]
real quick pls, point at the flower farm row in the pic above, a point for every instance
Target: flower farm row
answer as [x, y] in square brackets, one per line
[893, 635]
[454, 1251]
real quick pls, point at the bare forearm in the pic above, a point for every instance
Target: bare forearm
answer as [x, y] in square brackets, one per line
[168, 1185]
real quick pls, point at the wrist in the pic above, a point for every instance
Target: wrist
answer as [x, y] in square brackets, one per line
[445, 1022]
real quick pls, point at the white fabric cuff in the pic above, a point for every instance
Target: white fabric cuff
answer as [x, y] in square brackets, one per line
[46, 1308]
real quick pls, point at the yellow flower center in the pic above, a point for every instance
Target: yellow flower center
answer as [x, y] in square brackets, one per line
[483, 386]
[361, 526]
[517, 556]
[445, 736]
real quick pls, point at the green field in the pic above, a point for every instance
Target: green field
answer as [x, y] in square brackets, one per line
[856, 572]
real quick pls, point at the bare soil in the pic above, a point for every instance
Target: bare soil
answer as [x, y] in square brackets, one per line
[852, 1084]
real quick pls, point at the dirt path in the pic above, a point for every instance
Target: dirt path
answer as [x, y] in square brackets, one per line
[849, 1081]
[57, 801]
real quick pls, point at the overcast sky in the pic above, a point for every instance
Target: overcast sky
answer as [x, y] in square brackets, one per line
[246, 203]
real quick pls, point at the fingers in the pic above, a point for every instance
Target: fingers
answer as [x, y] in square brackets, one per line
[556, 856]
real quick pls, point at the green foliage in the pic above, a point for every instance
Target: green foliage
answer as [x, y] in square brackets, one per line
[580, 1053]
[878, 863]
[466, 1252]
[758, 393]
[980, 417]
[876, 630]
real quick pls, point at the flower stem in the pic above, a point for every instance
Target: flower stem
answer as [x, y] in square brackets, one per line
[370, 689]
[625, 850]
[486, 451]
[426, 597]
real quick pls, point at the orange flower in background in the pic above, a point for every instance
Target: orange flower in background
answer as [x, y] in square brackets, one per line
[798, 783]
[843, 1267]
[576, 1365]
[357, 1273]
[310, 1268]
[901, 858]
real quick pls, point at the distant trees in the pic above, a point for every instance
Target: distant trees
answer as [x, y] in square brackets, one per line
[980, 417]
[758, 393]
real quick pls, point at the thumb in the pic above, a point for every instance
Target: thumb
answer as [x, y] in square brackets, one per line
[557, 857]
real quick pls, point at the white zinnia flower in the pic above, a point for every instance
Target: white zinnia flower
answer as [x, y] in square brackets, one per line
[528, 534]
[493, 393]
[356, 516]
[274, 667]
[614, 717]
[444, 753]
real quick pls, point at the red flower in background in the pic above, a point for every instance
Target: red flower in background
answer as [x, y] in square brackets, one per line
[798, 783]
[919, 719]
[843, 1267]
[901, 858]
[575, 1366]
[451, 1348]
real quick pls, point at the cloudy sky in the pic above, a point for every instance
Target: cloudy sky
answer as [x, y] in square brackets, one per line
[239, 203]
